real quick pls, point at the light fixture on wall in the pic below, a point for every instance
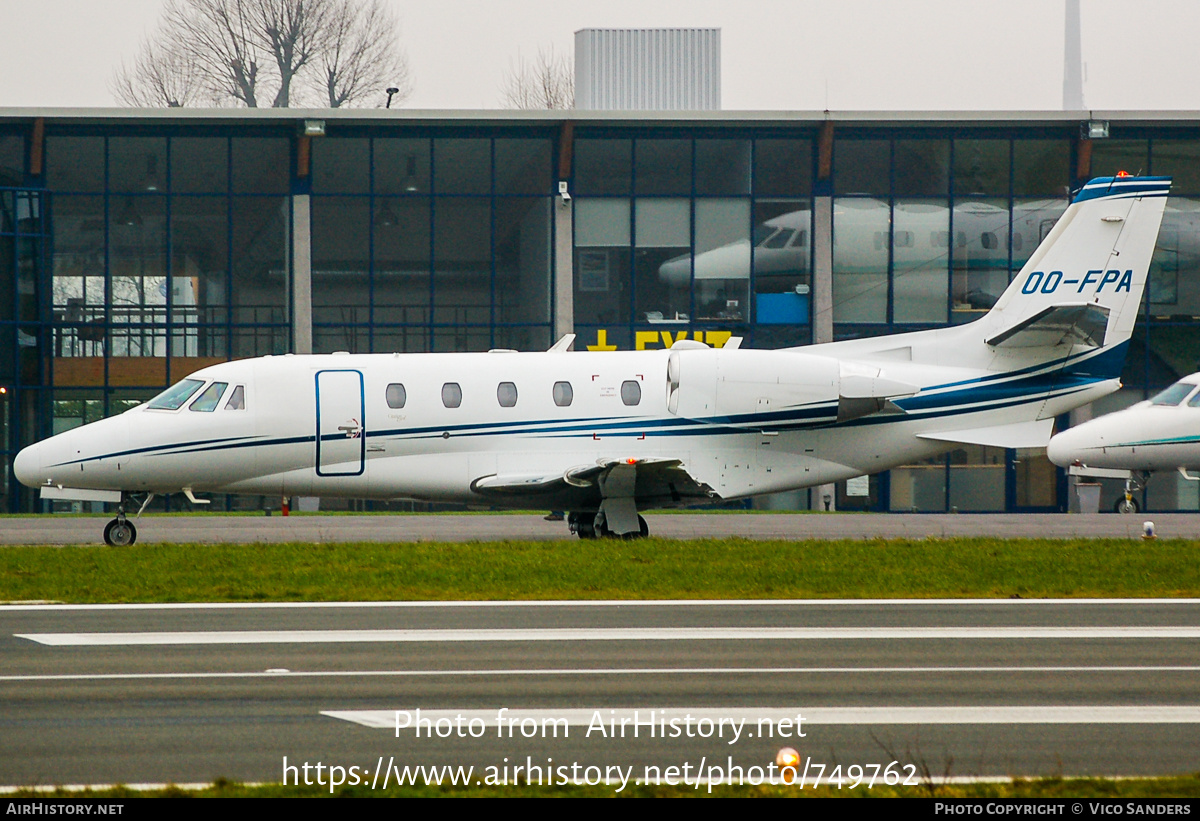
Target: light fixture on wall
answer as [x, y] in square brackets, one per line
[385, 217]
[151, 182]
[128, 215]
[410, 177]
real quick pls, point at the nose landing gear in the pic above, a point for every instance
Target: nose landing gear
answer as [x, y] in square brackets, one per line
[120, 532]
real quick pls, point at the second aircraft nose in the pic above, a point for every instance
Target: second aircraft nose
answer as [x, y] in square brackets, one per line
[28, 465]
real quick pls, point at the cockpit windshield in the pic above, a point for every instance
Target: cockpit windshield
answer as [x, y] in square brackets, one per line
[207, 401]
[174, 397]
[1174, 394]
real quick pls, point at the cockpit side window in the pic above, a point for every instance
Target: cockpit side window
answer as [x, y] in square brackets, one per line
[207, 401]
[237, 398]
[1174, 394]
[174, 397]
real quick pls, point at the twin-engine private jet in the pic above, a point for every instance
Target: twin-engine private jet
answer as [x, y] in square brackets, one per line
[1162, 433]
[605, 435]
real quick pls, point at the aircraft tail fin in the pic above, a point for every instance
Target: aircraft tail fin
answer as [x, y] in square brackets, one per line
[1085, 281]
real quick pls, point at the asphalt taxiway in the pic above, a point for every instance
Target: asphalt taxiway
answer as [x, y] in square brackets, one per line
[215, 528]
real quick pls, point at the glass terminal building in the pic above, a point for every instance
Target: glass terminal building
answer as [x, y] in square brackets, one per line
[138, 246]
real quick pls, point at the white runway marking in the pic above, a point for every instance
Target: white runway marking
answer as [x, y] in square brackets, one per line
[600, 671]
[605, 634]
[1098, 714]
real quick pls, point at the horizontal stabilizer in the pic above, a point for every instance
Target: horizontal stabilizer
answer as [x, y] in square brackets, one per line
[1021, 435]
[1078, 324]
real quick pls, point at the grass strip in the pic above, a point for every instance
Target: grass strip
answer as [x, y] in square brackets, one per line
[603, 569]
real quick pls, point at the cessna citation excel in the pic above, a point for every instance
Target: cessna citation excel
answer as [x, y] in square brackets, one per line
[604, 435]
[1162, 433]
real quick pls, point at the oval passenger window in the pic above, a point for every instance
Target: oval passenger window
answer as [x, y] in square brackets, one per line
[631, 392]
[396, 395]
[506, 394]
[563, 394]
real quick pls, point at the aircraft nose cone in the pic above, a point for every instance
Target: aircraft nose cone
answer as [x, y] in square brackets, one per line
[27, 466]
[1063, 449]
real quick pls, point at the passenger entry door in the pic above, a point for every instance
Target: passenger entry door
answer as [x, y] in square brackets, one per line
[341, 423]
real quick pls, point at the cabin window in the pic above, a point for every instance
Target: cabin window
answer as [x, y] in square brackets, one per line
[631, 392]
[396, 395]
[506, 394]
[207, 401]
[451, 395]
[174, 397]
[563, 395]
[237, 399]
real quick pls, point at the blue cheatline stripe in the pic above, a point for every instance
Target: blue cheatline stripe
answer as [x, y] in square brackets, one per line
[1110, 361]
[1035, 383]
[1124, 188]
[1173, 440]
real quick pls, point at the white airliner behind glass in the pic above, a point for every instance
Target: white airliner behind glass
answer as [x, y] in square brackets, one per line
[604, 435]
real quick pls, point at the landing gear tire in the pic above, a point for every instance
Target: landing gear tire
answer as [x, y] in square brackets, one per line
[582, 524]
[1126, 506]
[120, 533]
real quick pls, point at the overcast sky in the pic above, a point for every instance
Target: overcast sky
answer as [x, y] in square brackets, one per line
[805, 55]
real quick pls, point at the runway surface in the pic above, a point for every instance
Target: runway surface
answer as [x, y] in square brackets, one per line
[216, 528]
[191, 693]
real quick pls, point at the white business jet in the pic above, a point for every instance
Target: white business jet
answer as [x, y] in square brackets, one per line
[607, 434]
[1162, 433]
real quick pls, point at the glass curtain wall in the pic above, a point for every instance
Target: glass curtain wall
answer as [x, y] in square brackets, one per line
[692, 237]
[22, 243]
[167, 253]
[431, 243]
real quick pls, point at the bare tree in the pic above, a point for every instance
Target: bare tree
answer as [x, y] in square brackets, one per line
[548, 82]
[293, 31]
[159, 77]
[216, 36]
[360, 59]
[251, 51]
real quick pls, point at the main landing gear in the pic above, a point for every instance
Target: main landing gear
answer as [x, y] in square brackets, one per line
[587, 525]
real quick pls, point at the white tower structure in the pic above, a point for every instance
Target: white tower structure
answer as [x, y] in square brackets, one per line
[648, 69]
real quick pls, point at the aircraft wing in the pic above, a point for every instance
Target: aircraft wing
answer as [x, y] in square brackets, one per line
[648, 481]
